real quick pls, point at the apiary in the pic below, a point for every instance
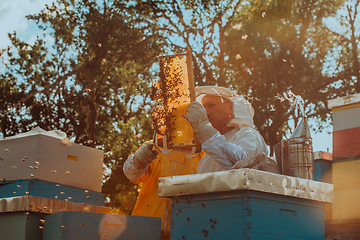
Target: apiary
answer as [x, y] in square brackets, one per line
[38, 155]
[76, 225]
[246, 204]
[42, 174]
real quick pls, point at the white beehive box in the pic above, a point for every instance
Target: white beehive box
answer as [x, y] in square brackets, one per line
[42, 156]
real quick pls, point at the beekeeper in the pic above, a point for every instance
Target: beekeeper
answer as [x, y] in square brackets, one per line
[150, 162]
[223, 123]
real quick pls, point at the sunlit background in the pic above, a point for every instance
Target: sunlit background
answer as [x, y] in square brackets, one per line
[12, 18]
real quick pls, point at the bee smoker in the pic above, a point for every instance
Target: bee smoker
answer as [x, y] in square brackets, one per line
[295, 155]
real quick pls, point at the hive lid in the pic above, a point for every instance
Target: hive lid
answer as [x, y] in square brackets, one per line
[344, 101]
[46, 205]
[249, 179]
[39, 131]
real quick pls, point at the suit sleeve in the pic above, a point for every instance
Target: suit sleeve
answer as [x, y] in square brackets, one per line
[226, 153]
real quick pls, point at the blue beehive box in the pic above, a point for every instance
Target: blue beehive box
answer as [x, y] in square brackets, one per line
[95, 226]
[22, 216]
[21, 226]
[245, 204]
[46, 189]
[323, 166]
[246, 214]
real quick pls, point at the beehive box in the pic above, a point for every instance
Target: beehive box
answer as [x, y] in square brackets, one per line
[23, 217]
[323, 166]
[51, 159]
[21, 226]
[91, 226]
[41, 188]
[323, 173]
[346, 158]
[245, 204]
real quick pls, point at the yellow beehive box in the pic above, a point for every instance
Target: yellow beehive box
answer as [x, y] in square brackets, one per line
[346, 180]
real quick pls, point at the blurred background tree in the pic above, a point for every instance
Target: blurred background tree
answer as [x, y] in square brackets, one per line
[94, 81]
[93, 84]
[277, 48]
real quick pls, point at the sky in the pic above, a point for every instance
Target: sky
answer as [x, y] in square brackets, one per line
[12, 18]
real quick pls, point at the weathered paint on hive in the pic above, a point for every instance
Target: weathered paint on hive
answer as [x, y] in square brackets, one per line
[75, 225]
[323, 173]
[41, 188]
[346, 142]
[21, 226]
[346, 118]
[346, 180]
[246, 214]
[346, 163]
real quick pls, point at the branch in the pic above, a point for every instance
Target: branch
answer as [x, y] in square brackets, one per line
[58, 80]
[342, 38]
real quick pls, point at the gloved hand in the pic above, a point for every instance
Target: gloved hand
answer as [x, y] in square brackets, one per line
[196, 115]
[144, 156]
[258, 161]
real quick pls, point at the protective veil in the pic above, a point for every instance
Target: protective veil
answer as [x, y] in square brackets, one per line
[223, 151]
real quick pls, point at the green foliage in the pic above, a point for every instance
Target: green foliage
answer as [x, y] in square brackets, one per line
[94, 84]
[279, 48]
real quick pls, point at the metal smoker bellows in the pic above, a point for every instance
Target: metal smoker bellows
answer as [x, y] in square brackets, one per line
[295, 156]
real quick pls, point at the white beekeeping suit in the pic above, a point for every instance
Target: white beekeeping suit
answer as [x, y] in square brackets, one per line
[223, 151]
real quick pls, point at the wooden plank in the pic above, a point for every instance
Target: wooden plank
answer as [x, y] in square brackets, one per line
[347, 118]
[346, 180]
[346, 205]
[346, 142]
[190, 75]
[323, 155]
[346, 175]
[191, 82]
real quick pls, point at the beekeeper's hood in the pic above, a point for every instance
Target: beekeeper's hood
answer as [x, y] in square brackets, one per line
[243, 111]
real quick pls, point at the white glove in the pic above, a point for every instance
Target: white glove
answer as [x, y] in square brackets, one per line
[144, 156]
[196, 115]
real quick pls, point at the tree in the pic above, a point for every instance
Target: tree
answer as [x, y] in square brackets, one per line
[195, 25]
[281, 48]
[345, 45]
[94, 84]
[260, 49]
